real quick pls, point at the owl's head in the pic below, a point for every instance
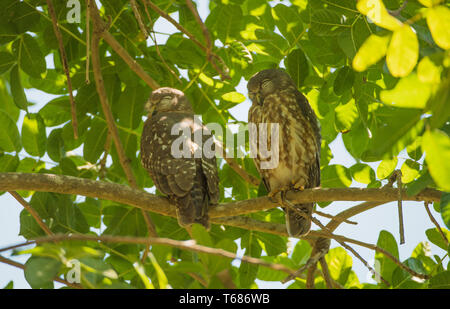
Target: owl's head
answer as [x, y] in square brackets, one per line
[167, 99]
[267, 82]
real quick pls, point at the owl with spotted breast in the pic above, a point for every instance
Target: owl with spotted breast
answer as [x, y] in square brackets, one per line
[174, 158]
[276, 100]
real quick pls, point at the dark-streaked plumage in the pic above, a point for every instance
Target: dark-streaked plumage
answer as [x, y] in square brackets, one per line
[275, 99]
[191, 183]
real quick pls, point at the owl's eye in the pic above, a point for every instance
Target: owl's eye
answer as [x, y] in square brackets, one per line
[266, 83]
[166, 99]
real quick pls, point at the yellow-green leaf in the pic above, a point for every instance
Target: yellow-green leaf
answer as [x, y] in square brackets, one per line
[370, 52]
[428, 71]
[409, 92]
[403, 52]
[436, 145]
[234, 97]
[386, 167]
[438, 19]
[430, 3]
[376, 11]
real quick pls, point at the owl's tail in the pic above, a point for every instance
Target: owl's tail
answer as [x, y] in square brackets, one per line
[193, 208]
[296, 224]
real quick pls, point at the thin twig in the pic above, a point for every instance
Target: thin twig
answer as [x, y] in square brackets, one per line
[88, 40]
[209, 54]
[21, 266]
[435, 223]
[156, 43]
[326, 273]
[191, 37]
[62, 52]
[138, 17]
[32, 212]
[100, 27]
[334, 217]
[17, 246]
[189, 245]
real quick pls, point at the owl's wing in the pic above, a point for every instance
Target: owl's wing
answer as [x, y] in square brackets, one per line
[172, 176]
[209, 166]
[308, 112]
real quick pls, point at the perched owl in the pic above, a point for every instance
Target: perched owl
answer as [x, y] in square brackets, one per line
[276, 100]
[175, 159]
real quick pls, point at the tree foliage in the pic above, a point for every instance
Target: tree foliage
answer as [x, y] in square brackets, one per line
[375, 72]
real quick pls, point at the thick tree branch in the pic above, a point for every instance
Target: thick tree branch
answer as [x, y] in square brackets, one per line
[147, 201]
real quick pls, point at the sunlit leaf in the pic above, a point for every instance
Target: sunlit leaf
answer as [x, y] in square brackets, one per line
[376, 11]
[438, 19]
[371, 51]
[409, 92]
[403, 51]
[436, 145]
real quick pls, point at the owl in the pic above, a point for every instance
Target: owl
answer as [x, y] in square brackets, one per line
[172, 153]
[276, 102]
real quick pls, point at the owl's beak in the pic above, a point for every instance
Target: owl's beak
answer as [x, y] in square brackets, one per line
[151, 109]
[255, 97]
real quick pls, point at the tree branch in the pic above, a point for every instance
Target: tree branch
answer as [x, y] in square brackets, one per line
[189, 245]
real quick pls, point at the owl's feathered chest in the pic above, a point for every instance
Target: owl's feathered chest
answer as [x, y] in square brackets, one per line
[297, 145]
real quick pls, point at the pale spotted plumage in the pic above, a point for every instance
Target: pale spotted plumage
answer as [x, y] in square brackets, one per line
[275, 99]
[191, 183]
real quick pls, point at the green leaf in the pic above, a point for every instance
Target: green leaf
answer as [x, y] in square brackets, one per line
[40, 271]
[335, 176]
[398, 128]
[56, 112]
[345, 115]
[288, 22]
[435, 237]
[247, 271]
[29, 227]
[301, 252]
[387, 242]
[6, 61]
[94, 145]
[9, 134]
[8, 163]
[421, 183]
[444, 208]
[9, 286]
[410, 170]
[438, 20]
[326, 22]
[55, 145]
[34, 139]
[297, 66]
[272, 244]
[428, 71]
[91, 210]
[362, 173]
[386, 167]
[344, 80]
[17, 91]
[440, 280]
[403, 51]
[31, 59]
[131, 106]
[24, 17]
[225, 22]
[370, 52]
[436, 145]
[409, 92]
[339, 264]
